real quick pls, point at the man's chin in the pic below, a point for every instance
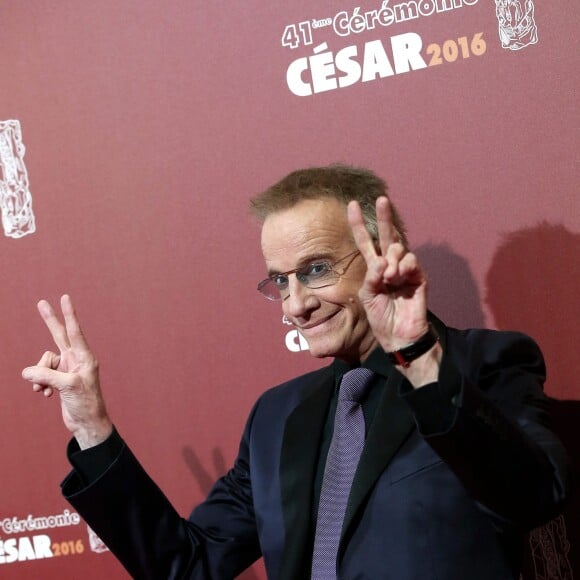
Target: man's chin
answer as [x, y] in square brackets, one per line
[320, 350]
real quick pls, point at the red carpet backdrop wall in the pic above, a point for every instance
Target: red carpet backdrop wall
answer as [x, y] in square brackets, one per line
[132, 135]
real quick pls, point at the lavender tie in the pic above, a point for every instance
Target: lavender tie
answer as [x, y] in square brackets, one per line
[343, 456]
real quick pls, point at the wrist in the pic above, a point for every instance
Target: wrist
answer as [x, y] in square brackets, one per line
[424, 370]
[94, 435]
[405, 355]
[419, 361]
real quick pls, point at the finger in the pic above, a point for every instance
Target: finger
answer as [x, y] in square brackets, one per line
[411, 269]
[46, 391]
[409, 264]
[386, 229]
[49, 360]
[73, 328]
[373, 282]
[45, 377]
[408, 272]
[394, 253]
[54, 325]
[362, 238]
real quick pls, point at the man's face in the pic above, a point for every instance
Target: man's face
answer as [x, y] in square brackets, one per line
[332, 318]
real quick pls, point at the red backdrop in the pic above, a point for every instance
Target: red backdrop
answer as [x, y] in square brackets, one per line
[146, 126]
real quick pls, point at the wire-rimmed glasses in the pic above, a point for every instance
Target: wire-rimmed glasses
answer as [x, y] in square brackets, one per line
[316, 274]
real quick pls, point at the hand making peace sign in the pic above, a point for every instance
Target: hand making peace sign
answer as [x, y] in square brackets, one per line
[73, 373]
[394, 291]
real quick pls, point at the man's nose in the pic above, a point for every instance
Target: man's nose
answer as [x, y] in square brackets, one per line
[300, 298]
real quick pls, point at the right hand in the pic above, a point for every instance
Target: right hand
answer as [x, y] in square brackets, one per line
[394, 291]
[73, 372]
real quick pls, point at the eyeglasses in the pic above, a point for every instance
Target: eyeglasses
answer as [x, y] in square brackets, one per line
[314, 275]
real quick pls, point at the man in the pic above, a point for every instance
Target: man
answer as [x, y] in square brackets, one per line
[457, 461]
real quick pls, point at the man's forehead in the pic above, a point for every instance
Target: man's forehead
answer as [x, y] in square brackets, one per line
[303, 232]
[307, 214]
[305, 219]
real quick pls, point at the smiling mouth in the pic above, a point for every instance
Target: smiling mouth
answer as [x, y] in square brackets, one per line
[318, 323]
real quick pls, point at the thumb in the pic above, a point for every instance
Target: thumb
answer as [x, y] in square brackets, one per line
[46, 377]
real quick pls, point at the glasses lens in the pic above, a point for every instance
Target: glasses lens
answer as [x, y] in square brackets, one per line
[321, 278]
[269, 289]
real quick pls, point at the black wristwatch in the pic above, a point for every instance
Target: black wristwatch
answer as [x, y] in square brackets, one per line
[406, 355]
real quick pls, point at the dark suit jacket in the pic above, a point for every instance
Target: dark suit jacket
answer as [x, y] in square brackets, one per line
[450, 478]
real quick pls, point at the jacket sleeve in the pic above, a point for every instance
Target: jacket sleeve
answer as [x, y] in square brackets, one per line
[487, 418]
[136, 521]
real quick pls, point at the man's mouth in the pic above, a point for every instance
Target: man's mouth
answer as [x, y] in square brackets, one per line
[317, 323]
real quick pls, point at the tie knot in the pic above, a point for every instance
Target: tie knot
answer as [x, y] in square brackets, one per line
[354, 384]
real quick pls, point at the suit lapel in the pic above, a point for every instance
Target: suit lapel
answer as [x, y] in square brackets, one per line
[297, 471]
[391, 426]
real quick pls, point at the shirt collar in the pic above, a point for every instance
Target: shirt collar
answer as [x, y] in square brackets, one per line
[377, 362]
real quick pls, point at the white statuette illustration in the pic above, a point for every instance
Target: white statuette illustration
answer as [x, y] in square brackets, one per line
[550, 548]
[97, 545]
[517, 27]
[15, 197]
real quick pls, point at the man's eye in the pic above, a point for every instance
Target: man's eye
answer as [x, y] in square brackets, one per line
[317, 269]
[280, 280]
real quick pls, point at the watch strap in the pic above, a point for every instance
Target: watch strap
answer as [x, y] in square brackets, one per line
[406, 355]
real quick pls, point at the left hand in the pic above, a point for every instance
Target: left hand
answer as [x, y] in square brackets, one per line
[72, 372]
[394, 291]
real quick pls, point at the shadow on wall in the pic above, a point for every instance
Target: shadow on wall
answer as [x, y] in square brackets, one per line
[533, 285]
[453, 293]
[205, 479]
